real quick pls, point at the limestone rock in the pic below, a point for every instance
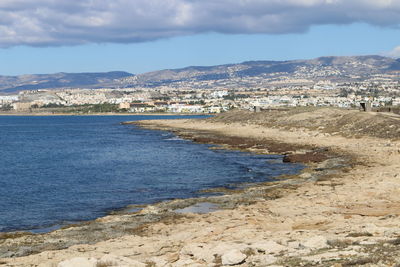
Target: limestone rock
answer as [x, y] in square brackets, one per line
[294, 245]
[263, 260]
[158, 262]
[172, 257]
[268, 247]
[391, 232]
[79, 261]
[233, 257]
[198, 251]
[373, 229]
[306, 175]
[120, 261]
[334, 255]
[150, 210]
[316, 242]
[185, 263]
[222, 247]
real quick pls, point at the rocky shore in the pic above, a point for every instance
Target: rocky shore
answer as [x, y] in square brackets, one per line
[343, 210]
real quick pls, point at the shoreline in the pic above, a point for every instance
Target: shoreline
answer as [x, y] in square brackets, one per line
[219, 197]
[209, 195]
[348, 216]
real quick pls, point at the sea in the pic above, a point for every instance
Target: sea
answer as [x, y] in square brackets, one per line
[58, 170]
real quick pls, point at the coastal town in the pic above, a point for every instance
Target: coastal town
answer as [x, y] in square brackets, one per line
[213, 97]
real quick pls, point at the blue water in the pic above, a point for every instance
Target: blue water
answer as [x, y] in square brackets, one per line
[58, 170]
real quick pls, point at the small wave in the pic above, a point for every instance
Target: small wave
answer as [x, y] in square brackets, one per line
[175, 139]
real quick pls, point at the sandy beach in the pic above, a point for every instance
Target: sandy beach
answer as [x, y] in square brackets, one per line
[342, 210]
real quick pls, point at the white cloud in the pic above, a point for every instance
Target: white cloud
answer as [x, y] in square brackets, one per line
[395, 52]
[64, 22]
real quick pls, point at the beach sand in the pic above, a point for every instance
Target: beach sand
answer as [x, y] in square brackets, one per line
[349, 216]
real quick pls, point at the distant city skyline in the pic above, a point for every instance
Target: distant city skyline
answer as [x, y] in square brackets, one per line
[138, 36]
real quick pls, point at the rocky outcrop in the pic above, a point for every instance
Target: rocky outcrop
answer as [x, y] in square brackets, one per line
[79, 261]
[233, 257]
[316, 242]
[106, 260]
[309, 157]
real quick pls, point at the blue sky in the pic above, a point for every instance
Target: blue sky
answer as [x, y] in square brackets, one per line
[97, 44]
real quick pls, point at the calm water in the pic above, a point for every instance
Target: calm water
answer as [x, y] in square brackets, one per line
[58, 170]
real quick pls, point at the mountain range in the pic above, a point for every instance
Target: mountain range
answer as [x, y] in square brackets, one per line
[12, 84]
[338, 69]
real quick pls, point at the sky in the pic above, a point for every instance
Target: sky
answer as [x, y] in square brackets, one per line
[137, 36]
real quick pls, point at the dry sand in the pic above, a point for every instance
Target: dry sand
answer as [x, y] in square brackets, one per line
[349, 218]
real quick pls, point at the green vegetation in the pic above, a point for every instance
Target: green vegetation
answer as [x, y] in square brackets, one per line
[53, 106]
[6, 107]
[99, 108]
[161, 98]
[82, 109]
[200, 102]
[229, 97]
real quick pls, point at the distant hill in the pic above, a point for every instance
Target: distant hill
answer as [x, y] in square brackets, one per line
[331, 68]
[336, 69]
[10, 84]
